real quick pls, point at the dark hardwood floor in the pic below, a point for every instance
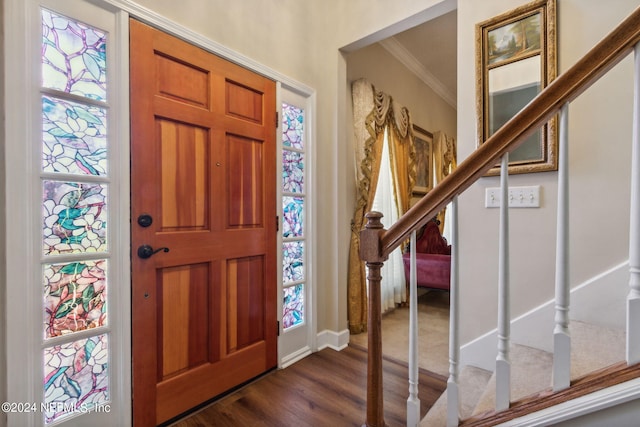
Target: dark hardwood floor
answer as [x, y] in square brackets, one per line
[327, 388]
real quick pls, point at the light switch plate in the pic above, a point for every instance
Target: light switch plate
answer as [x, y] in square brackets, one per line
[519, 197]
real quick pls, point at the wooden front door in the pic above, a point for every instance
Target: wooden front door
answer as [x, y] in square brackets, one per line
[203, 186]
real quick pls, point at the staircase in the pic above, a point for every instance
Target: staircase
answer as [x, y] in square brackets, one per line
[594, 348]
[526, 380]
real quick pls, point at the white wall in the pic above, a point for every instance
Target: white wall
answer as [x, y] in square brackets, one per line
[600, 129]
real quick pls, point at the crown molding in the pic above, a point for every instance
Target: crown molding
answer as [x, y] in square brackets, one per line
[398, 51]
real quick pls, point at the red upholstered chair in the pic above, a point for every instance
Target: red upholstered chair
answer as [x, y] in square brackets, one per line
[433, 259]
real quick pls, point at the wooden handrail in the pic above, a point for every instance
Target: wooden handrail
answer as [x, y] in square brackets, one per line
[568, 86]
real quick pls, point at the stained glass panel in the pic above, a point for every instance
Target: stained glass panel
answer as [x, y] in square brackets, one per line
[292, 171]
[74, 217]
[73, 57]
[293, 306]
[74, 297]
[73, 137]
[75, 377]
[293, 261]
[293, 209]
[292, 126]
[293, 216]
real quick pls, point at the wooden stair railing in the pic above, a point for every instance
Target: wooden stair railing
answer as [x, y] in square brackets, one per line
[377, 243]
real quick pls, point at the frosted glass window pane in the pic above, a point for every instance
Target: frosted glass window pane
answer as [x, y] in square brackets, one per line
[74, 297]
[73, 57]
[293, 261]
[292, 126]
[293, 306]
[293, 216]
[74, 137]
[74, 217]
[75, 377]
[292, 171]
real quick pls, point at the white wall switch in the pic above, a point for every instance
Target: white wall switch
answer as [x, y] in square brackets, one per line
[519, 197]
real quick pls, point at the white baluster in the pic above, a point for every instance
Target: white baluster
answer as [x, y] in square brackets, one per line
[561, 337]
[503, 365]
[633, 300]
[413, 402]
[453, 394]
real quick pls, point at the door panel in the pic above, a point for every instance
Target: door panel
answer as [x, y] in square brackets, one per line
[245, 314]
[183, 309]
[184, 160]
[244, 183]
[203, 167]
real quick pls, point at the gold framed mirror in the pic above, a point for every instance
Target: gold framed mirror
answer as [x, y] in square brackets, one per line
[515, 60]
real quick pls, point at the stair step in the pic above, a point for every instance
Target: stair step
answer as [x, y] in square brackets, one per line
[472, 381]
[596, 381]
[530, 373]
[594, 347]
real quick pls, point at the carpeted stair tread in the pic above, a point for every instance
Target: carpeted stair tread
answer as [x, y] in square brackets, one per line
[472, 382]
[531, 370]
[594, 347]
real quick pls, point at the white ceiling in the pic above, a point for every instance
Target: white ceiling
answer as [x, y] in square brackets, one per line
[429, 50]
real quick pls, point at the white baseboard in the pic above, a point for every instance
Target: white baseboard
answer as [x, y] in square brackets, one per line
[294, 357]
[607, 291]
[334, 340]
[481, 352]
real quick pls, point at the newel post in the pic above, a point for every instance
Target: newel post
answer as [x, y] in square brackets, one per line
[370, 252]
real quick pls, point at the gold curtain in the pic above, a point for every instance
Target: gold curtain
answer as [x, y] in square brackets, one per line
[403, 158]
[445, 154]
[373, 112]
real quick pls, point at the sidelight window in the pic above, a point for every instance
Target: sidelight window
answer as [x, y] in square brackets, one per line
[294, 201]
[75, 215]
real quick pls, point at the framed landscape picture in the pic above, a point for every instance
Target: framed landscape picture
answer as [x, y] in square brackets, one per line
[515, 61]
[423, 141]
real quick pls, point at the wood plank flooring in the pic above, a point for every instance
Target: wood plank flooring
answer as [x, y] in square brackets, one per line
[327, 388]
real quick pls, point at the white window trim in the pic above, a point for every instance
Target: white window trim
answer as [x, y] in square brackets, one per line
[307, 103]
